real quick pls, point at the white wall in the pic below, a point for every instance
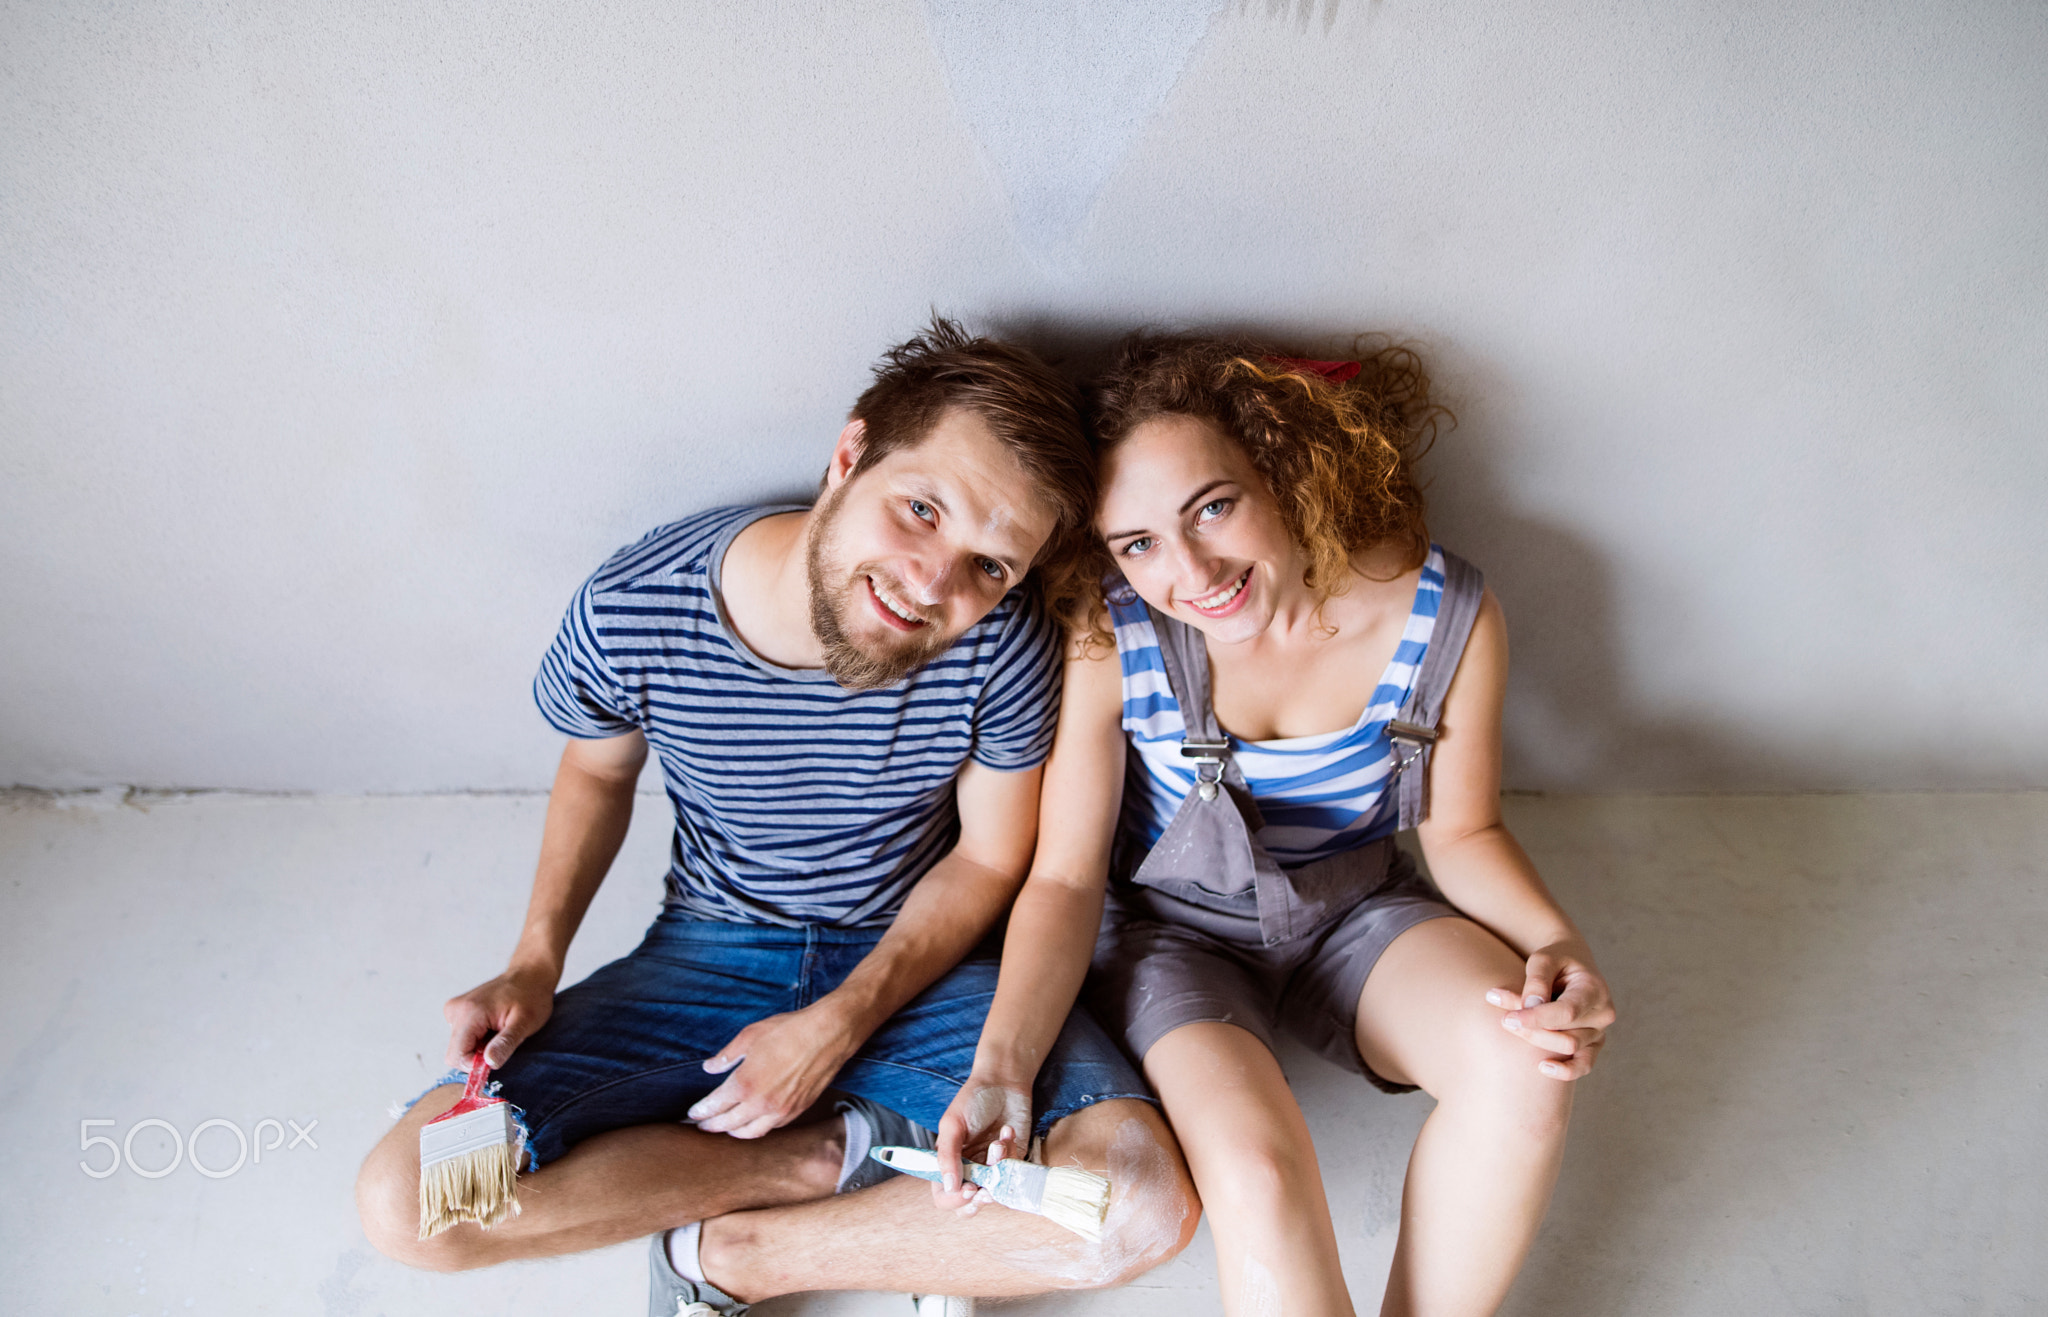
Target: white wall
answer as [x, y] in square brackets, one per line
[341, 341]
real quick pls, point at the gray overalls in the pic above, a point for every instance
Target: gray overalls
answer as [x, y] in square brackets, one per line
[1206, 926]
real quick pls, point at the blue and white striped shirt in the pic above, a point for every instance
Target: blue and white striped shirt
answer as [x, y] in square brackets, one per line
[1321, 794]
[797, 801]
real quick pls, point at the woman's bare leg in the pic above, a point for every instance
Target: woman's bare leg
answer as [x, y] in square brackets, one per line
[1255, 1168]
[1487, 1158]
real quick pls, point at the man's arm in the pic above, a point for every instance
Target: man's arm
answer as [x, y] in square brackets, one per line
[781, 1064]
[588, 812]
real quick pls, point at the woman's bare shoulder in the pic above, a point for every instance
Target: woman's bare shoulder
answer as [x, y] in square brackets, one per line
[1091, 638]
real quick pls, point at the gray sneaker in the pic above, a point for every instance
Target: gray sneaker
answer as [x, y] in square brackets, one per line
[670, 1295]
[885, 1127]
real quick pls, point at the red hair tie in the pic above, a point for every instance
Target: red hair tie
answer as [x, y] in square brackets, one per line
[1334, 371]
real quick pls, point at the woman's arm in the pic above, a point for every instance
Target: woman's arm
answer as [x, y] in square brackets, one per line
[1562, 1007]
[1051, 933]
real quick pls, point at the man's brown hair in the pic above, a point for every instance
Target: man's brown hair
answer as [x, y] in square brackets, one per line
[1033, 412]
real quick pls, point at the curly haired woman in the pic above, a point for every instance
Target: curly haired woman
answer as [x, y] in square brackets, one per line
[1297, 673]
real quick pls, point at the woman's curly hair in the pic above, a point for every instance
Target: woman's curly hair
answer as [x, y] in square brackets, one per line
[1339, 454]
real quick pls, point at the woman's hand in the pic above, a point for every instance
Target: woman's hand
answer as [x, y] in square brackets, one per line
[987, 1119]
[1565, 1009]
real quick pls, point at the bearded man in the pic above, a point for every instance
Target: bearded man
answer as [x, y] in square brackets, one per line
[851, 703]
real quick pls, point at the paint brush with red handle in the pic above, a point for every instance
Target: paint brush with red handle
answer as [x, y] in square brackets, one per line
[469, 1159]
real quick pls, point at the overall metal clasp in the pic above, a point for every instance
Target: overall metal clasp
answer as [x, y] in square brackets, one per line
[1412, 737]
[1208, 757]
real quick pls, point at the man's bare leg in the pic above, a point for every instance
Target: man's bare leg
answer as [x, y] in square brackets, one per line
[893, 1237]
[616, 1186]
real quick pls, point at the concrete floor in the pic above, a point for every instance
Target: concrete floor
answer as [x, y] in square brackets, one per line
[1822, 1099]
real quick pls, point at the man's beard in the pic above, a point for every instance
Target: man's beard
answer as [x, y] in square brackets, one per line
[846, 662]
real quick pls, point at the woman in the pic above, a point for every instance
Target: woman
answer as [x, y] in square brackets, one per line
[1296, 672]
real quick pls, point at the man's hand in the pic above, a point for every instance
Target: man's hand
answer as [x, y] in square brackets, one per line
[506, 1010]
[779, 1067]
[983, 1121]
[1562, 1008]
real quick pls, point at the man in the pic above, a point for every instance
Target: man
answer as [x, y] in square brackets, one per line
[851, 703]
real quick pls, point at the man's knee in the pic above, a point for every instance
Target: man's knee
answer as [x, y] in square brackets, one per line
[388, 1197]
[1153, 1210]
[387, 1200]
[1156, 1215]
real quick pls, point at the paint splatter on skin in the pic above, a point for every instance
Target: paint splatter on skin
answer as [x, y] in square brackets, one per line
[993, 1109]
[1141, 1178]
[1261, 1290]
[986, 1108]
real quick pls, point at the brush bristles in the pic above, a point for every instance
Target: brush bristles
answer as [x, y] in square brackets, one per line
[1075, 1199]
[480, 1185]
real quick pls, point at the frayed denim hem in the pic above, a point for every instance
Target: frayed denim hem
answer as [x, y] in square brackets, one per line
[460, 1075]
[1042, 1126]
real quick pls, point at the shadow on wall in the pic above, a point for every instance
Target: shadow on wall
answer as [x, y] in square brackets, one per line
[1570, 720]
[1571, 723]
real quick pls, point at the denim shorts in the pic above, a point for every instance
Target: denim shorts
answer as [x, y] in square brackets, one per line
[627, 1045]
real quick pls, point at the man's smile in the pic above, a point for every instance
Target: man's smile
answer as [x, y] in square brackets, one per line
[896, 614]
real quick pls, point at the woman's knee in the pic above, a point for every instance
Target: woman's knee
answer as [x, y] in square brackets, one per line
[1260, 1179]
[1498, 1070]
[1423, 1019]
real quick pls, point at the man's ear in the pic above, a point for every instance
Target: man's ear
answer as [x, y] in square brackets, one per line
[846, 453]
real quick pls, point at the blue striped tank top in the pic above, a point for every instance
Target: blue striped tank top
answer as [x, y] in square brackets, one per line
[1320, 794]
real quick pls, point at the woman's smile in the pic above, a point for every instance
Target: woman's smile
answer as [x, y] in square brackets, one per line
[1223, 602]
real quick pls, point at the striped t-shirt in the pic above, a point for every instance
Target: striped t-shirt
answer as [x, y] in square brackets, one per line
[797, 801]
[1321, 794]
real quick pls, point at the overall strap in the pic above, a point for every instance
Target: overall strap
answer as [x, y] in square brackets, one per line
[1208, 852]
[1185, 654]
[1414, 730]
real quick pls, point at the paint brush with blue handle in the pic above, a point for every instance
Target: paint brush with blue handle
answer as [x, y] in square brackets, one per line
[1064, 1195]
